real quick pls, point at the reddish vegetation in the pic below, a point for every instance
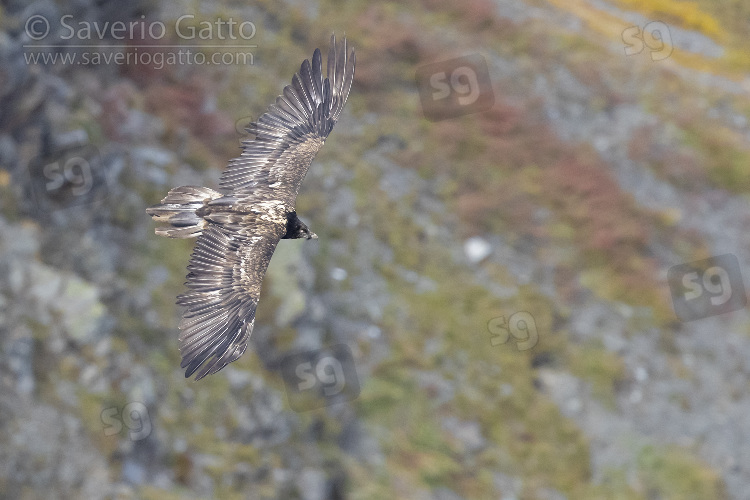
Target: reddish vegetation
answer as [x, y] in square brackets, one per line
[185, 105]
[177, 93]
[680, 167]
[179, 104]
[144, 48]
[476, 14]
[507, 164]
[605, 218]
[396, 44]
[116, 102]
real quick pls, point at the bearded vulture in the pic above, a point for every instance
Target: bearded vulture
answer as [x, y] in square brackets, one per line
[239, 225]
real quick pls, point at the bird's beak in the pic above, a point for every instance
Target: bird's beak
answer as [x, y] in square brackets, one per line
[313, 236]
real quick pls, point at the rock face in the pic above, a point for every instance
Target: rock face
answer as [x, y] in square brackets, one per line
[489, 310]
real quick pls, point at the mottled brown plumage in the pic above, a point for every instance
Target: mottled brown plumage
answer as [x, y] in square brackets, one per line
[239, 226]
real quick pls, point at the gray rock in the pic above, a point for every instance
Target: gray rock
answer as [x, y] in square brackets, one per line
[468, 434]
[311, 484]
[477, 249]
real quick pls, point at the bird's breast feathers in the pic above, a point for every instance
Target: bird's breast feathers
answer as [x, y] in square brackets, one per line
[274, 211]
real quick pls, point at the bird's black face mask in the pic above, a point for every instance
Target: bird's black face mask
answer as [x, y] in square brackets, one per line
[295, 228]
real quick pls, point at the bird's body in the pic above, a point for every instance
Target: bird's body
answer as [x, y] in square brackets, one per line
[239, 226]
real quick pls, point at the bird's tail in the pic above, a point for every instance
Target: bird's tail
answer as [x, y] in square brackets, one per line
[178, 210]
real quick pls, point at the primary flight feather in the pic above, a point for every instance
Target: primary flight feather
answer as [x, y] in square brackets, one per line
[239, 226]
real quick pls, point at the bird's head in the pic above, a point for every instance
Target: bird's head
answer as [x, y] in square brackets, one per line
[297, 229]
[304, 232]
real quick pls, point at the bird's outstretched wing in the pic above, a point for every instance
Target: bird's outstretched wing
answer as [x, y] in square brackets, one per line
[290, 133]
[225, 275]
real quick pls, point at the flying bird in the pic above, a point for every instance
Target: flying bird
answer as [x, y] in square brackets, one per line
[239, 226]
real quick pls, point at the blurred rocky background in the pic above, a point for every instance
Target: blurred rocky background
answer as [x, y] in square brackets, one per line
[498, 210]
